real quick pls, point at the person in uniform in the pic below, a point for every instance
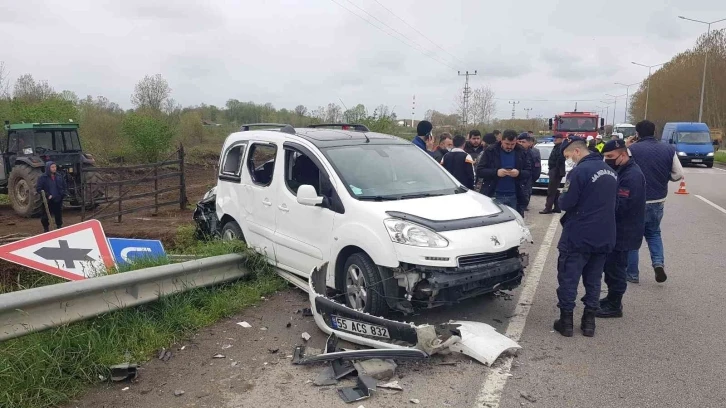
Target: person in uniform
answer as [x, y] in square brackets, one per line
[588, 234]
[557, 170]
[629, 224]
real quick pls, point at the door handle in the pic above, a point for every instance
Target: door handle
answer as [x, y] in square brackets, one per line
[266, 202]
[283, 208]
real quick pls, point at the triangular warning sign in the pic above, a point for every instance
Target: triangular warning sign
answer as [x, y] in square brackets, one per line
[76, 252]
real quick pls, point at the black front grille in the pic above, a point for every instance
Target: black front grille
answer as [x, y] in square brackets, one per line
[478, 259]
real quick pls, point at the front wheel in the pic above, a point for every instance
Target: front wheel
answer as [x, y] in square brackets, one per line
[364, 289]
[709, 165]
[232, 231]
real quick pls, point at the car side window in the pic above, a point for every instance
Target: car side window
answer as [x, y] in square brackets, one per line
[261, 163]
[232, 162]
[300, 170]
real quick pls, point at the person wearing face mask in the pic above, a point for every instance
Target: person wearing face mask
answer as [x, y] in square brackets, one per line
[629, 224]
[588, 234]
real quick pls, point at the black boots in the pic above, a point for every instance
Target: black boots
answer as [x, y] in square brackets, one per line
[611, 306]
[660, 275]
[564, 323]
[588, 322]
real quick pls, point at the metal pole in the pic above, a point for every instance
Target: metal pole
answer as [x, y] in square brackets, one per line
[625, 114]
[703, 81]
[615, 109]
[647, 95]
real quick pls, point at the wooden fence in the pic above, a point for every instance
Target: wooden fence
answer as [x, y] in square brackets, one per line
[110, 206]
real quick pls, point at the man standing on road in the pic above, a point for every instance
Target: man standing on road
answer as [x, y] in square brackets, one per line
[474, 146]
[588, 234]
[424, 140]
[54, 186]
[503, 169]
[526, 144]
[459, 163]
[629, 224]
[556, 164]
[445, 145]
[659, 164]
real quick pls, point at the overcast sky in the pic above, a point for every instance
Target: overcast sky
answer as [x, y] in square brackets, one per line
[313, 52]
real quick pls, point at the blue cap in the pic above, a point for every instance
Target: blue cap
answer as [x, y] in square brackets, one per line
[614, 145]
[523, 136]
[569, 141]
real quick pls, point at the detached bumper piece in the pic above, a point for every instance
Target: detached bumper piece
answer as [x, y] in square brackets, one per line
[396, 339]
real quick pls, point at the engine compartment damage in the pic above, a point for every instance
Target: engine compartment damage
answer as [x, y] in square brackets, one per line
[477, 340]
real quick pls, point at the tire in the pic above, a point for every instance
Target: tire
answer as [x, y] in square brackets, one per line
[232, 231]
[363, 287]
[26, 202]
[709, 165]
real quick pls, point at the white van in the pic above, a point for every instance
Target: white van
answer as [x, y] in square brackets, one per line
[395, 228]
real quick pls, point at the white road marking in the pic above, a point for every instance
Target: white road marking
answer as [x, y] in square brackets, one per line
[491, 390]
[712, 204]
[690, 170]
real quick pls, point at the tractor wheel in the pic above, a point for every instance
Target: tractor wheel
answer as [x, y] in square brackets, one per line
[21, 189]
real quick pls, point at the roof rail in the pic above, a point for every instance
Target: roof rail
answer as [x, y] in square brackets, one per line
[345, 126]
[247, 126]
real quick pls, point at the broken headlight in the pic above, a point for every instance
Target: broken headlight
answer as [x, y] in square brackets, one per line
[408, 233]
[526, 234]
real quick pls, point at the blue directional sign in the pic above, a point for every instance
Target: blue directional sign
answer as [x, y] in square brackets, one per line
[125, 251]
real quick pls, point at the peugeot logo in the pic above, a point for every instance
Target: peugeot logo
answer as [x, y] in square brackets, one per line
[495, 240]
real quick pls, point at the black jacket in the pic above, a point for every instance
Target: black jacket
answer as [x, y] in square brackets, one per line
[490, 162]
[438, 154]
[55, 188]
[630, 207]
[588, 199]
[474, 151]
[556, 162]
[460, 164]
[536, 163]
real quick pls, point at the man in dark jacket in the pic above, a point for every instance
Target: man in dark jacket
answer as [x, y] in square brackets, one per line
[54, 186]
[504, 169]
[445, 144]
[588, 234]
[423, 138]
[629, 224]
[459, 163]
[556, 164]
[474, 146]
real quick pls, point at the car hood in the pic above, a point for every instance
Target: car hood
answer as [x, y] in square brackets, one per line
[467, 205]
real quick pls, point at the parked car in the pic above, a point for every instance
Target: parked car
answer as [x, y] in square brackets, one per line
[396, 230]
[545, 149]
[692, 141]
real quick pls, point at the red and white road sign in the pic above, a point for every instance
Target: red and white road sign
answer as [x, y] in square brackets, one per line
[76, 252]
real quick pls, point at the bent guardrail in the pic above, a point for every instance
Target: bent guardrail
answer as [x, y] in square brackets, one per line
[37, 309]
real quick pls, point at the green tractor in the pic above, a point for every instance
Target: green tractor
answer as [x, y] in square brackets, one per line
[23, 155]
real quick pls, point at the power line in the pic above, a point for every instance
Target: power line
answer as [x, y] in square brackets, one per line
[415, 44]
[419, 32]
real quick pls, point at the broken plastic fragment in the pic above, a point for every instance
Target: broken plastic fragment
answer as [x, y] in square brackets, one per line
[393, 385]
[244, 324]
[362, 390]
[305, 336]
[218, 356]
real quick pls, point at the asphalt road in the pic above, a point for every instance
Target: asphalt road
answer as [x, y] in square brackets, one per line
[668, 350]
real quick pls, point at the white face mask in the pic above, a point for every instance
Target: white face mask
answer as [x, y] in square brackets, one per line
[569, 162]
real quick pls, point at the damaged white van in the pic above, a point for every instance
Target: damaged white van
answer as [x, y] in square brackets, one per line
[397, 230]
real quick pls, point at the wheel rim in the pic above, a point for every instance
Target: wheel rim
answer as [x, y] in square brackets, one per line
[22, 193]
[229, 235]
[356, 287]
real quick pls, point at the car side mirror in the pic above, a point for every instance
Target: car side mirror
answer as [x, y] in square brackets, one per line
[306, 195]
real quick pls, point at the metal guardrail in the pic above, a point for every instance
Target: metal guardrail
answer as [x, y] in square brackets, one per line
[31, 310]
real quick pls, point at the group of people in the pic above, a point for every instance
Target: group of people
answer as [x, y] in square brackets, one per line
[501, 165]
[612, 198]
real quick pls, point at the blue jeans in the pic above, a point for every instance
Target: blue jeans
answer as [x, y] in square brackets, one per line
[508, 199]
[653, 216]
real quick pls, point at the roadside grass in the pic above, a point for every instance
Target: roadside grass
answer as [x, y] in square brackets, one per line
[51, 367]
[4, 199]
[720, 157]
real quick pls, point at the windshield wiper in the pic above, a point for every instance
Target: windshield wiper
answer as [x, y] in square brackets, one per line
[378, 198]
[421, 195]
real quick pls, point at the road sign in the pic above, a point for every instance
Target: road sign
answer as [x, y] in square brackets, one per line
[76, 252]
[125, 251]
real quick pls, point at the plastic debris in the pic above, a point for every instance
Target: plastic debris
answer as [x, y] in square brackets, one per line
[244, 324]
[362, 390]
[125, 371]
[218, 356]
[305, 336]
[414, 401]
[393, 385]
[178, 393]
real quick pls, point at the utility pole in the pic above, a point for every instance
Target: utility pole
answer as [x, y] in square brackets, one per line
[514, 106]
[467, 92]
[647, 85]
[413, 110]
[527, 110]
[627, 97]
[615, 108]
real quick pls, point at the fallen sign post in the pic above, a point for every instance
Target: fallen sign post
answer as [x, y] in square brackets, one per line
[75, 252]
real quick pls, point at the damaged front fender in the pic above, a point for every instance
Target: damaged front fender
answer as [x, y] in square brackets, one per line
[477, 340]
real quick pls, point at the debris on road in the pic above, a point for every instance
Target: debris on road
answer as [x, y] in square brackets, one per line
[244, 324]
[178, 393]
[125, 388]
[218, 356]
[379, 369]
[305, 336]
[301, 357]
[326, 377]
[342, 368]
[527, 396]
[362, 390]
[288, 325]
[273, 350]
[393, 385]
[414, 401]
[125, 371]
[226, 346]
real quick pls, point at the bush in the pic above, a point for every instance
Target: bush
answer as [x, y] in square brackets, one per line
[150, 137]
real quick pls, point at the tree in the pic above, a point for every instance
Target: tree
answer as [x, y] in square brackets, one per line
[333, 113]
[27, 89]
[150, 137]
[192, 130]
[152, 93]
[69, 96]
[4, 82]
[355, 114]
[301, 110]
[481, 105]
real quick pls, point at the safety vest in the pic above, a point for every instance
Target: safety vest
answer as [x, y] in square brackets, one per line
[600, 146]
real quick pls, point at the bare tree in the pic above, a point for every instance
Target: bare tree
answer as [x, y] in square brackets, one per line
[69, 96]
[301, 110]
[153, 93]
[26, 88]
[4, 81]
[481, 105]
[334, 113]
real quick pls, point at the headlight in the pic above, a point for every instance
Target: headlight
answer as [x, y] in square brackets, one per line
[682, 153]
[408, 233]
[526, 234]
[710, 154]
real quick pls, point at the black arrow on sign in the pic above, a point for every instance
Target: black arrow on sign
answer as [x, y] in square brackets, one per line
[64, 253]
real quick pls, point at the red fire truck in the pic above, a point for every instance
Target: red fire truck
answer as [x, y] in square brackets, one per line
[581, 124]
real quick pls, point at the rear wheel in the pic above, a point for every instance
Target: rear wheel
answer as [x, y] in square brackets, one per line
[232, 231]
[364, 289]
[25, 200]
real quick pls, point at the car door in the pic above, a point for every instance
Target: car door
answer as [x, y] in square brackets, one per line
[260, 180]
[303, 233]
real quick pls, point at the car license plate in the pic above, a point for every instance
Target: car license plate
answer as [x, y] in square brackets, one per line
[355, 326]
[697, 161]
